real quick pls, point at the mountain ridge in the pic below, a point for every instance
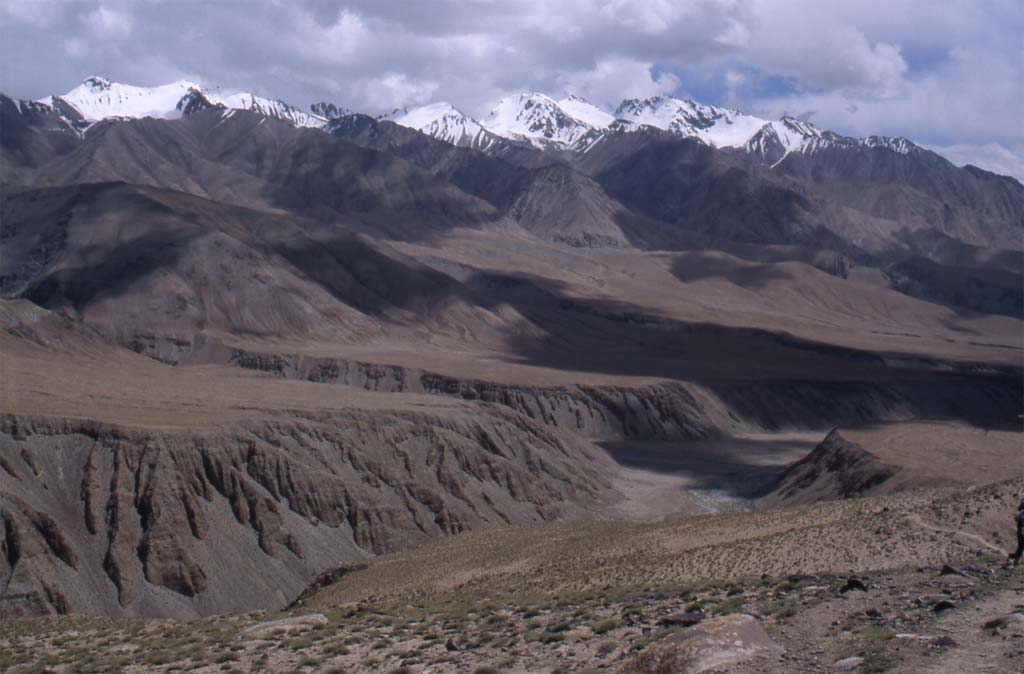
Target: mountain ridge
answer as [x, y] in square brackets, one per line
[570, 124]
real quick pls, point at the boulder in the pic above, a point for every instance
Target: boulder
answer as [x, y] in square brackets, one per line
[715, 644]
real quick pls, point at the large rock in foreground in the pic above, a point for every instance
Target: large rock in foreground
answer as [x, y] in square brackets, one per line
[715, 644]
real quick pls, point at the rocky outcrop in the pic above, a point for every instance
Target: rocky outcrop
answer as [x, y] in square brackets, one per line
[835, 469]
[189, 522]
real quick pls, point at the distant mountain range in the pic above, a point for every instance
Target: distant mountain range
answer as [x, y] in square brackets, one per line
[571, 124]
[98, 98]
[657, 174]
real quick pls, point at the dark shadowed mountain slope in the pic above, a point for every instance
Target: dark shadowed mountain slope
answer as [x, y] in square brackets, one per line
[871, 202]
[701, 191]
[155, 268]
[917, 190]
[424, 149]
[547, 196]
[984, 289]
[248, 159]
[491, 178]
[31, 134]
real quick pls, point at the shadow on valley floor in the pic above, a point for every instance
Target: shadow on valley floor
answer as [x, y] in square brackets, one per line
[737, 467]
[690, 267]
[761, 375]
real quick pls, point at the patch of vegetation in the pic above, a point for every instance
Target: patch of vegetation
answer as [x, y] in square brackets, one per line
[731, 605]
[872, 645]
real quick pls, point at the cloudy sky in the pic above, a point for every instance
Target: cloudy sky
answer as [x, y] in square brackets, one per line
[947, 74]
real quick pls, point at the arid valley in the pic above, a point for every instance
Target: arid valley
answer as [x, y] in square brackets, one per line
[584, 391]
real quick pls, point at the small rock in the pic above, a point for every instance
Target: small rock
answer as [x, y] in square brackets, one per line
[451, 645]
[853, 584]
[995, 623]
[948, 570]
[847, 664]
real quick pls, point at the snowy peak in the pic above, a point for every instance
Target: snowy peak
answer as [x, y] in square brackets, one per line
[442, 121]
[531, 118]
[96, 83]
[194, 101]
[718, 127]
[99, 98]
[329, 111]
[899, 145]
[776, 140]
[241, 100]
[586, 112]
[536, 119]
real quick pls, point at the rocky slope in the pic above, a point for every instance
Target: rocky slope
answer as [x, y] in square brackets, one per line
[240, 517]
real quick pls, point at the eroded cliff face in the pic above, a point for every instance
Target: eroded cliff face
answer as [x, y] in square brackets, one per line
[186, 522]
[681, 410]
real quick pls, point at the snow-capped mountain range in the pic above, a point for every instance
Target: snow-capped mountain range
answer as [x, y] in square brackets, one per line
[575, 124]
[98, 98]
[569, 124]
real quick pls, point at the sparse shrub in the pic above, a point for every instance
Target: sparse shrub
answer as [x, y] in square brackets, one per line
[606, 626]
[876, 662]
[336, 649]
[730, 605]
